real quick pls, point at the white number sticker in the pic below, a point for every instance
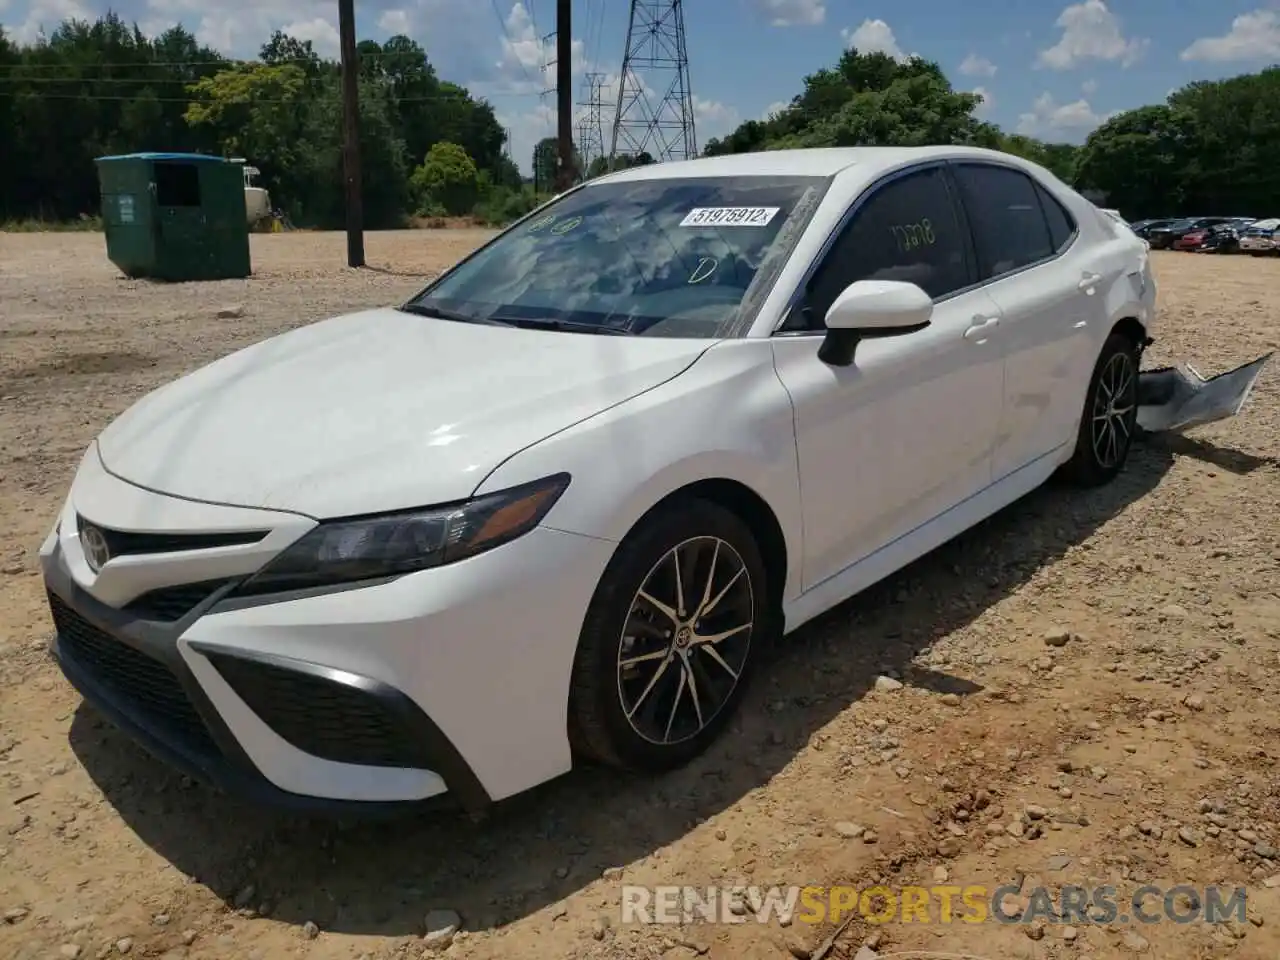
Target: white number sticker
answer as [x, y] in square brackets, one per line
[729, 217]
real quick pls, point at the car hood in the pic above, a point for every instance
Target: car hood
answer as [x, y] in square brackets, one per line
[379, 410]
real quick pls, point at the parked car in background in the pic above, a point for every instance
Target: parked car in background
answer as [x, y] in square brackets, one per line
[1164, 237]
[1143, 228]
[1224, 238]
[1261, 237]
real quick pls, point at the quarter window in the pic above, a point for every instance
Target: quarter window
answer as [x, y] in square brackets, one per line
[906, 230]
[1009, 225]
[1061, 226]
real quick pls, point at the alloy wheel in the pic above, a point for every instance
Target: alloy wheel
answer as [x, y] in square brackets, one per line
[1115, 410]
[686, 640]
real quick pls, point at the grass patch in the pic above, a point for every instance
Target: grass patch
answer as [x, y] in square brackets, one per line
[82, 225]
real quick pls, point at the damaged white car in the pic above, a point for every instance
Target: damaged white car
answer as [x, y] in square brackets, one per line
[551, 507]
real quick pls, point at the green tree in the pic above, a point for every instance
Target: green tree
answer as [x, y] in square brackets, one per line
[545, 163]
[1143, 160]
[447, 178]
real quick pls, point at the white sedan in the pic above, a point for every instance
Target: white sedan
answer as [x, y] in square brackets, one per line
[552, 506]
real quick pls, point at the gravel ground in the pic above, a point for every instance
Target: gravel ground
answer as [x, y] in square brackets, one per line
[1082, 691]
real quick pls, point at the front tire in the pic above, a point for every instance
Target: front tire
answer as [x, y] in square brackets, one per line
[1110, 417]
[669, 639]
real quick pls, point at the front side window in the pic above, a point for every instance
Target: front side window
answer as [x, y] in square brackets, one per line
[669, 257]
[1009, 225]
[906, 230]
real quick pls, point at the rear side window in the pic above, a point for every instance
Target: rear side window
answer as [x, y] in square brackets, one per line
[1061, 227]
[906, 230]
[1009, 224]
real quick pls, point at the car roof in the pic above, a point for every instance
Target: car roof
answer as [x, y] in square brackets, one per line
[805, 162]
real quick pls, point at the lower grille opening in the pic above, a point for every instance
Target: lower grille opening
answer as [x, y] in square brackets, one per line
[142, 682]
[169, 604]
[321, 717]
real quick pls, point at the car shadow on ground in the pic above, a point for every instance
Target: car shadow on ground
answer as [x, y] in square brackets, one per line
[381, 877]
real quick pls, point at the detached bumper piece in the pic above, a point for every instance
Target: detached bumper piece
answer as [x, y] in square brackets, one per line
[130, 670]
[1178, 398]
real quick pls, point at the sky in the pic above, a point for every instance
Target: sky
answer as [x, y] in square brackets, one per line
[1045, 68]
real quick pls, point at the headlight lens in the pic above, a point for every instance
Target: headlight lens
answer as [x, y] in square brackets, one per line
[371, 548]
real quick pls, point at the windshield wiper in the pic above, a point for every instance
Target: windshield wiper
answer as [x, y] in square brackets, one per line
[528, 323]
[565, 326]
[440, 313]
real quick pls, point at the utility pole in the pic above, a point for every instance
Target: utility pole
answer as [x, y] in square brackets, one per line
[564, 93]
[351, 132]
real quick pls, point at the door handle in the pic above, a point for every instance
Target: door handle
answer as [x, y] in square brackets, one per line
[1089, 281]
[980, 327]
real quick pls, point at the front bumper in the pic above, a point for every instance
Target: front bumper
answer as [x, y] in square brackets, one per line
[1259, 244]
[450, 683]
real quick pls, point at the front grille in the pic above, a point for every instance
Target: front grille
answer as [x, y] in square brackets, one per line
[329, 720]
[123, 542]
[146, 684]
[168, 604]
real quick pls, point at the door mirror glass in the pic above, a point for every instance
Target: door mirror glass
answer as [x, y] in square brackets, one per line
[872, 308]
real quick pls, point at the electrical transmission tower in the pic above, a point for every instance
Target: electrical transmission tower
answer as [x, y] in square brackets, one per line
[654, 113]
[591, 126]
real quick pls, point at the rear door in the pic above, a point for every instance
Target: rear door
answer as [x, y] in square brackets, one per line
[1047, 287]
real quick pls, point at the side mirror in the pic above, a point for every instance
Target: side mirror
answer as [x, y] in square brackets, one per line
[872, 308]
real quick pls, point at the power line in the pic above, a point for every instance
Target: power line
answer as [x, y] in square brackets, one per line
[14, 95]
[512, 43]
[22, 68]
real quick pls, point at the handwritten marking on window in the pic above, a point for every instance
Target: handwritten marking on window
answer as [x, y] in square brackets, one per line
[910, 236]
[705, 268]
[564, 226]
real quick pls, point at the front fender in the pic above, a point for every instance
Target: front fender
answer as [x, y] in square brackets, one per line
[726, 417]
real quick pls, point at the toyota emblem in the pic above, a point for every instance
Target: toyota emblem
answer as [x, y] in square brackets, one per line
[94, 544]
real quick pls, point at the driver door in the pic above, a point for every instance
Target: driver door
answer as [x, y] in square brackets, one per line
[907, 431]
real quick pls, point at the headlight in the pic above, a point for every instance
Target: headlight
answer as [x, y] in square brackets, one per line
[389, 545]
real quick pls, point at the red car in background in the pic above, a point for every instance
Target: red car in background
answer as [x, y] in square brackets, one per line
[1191, 241]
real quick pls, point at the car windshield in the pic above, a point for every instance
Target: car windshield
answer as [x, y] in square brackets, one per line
[674, 257]
[1261, 225]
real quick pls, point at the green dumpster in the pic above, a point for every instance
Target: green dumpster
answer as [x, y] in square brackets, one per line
[175, 216]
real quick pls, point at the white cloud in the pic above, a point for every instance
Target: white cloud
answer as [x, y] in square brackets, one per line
[1090, 31]
[321, 32]
[775, 108]
[1253, 36]
[976, 66]
[46, 15]
[395, 22]
[793, 13]
[713, 119]
[526, 55]
[1053, 120]
[1089, 87]
[240, 28]
[874, 36]
[988, 101]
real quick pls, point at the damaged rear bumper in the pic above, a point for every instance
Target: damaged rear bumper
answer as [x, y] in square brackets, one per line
[1178, 398]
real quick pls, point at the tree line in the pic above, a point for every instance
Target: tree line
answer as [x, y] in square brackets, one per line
[430, 148]
[93, 89]
[1211, 149]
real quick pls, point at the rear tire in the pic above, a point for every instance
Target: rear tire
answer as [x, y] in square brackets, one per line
[1110, 417]
[651, 686]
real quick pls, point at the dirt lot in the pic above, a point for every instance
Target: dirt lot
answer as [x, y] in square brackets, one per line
[1088, 696]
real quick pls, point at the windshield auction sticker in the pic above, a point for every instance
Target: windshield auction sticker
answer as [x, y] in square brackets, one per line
[729, 216]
